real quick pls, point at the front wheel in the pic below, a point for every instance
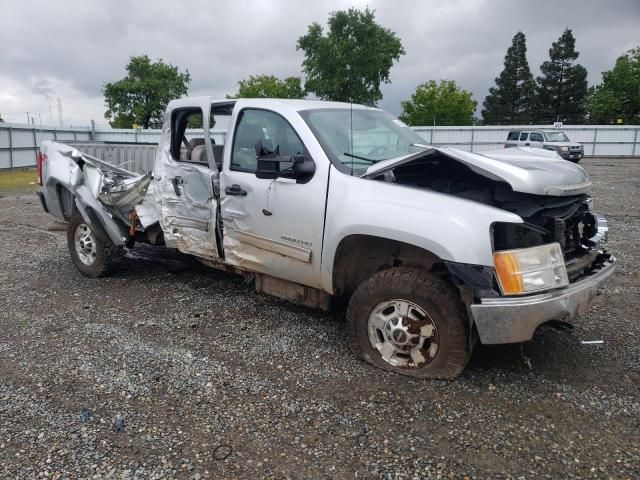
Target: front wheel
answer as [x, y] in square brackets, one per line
[92, 256]
[410, 322]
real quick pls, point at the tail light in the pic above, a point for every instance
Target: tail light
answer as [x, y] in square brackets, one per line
[41, 157]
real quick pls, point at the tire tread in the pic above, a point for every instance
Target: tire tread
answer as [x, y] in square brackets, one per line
[107, 254]
[449, 304]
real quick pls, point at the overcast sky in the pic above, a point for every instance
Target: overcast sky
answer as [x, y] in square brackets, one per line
[71, 48]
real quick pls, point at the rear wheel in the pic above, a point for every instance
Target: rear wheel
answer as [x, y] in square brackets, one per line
[410, 322]
[92, 256]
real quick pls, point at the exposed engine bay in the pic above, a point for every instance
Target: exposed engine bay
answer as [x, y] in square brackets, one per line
[567, 219]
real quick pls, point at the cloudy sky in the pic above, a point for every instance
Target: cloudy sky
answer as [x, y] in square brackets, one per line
[70, 49]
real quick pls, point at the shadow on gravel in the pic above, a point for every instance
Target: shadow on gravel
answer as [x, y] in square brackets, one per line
[149, 259]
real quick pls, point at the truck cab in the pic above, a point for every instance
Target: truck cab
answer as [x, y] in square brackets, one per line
[322, 203]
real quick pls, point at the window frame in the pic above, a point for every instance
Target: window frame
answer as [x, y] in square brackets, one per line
[526, 134]
[235, 132]
[177, 142]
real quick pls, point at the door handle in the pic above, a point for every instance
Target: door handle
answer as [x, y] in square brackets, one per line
[177, 183]
[235, 190]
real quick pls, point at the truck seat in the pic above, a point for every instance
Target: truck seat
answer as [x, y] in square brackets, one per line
[199, 154]
[184, 152]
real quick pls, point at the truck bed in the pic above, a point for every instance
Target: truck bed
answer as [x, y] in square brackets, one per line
[104, 192]
[135, 157]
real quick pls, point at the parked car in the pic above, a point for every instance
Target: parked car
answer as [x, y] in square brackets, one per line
[555, 140]
[433, 248]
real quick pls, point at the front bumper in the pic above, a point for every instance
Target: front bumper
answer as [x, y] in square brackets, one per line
[575, 155]
[515, 319]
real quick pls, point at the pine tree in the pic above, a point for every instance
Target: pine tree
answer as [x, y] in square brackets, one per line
[563, 85]
[511, 100]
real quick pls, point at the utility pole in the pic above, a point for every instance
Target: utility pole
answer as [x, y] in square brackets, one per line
[60, 111]
[49, 98]
[28, 117]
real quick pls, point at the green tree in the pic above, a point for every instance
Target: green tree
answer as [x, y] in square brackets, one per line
[352, 59]
[618, 96]
[441, 103]
[141, 97]
[268, 86]
[511, 101]
[562, 87]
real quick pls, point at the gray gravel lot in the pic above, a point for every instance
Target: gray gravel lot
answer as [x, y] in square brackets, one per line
[168, 369]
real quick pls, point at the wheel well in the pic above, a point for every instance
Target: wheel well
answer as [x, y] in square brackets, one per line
[360, 256]
[67, 202]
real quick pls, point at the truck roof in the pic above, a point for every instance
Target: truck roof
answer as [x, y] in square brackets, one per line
[536, 129]
[296, 104]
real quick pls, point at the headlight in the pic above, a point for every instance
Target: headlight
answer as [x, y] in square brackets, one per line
[564, 149]
[527, 270]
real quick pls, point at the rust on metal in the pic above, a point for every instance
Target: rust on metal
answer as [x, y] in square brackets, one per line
[133, 218]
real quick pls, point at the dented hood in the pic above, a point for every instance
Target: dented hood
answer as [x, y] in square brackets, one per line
[526, 170]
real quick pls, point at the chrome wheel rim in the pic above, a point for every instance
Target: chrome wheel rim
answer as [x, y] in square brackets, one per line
[403, 333]
[85, 242]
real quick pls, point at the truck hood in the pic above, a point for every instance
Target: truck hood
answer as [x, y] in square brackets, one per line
[526, 170]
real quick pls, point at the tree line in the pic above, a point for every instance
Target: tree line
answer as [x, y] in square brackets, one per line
[561, 93]
[350, 60]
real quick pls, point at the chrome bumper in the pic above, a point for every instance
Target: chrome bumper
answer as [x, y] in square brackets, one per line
[515, 319]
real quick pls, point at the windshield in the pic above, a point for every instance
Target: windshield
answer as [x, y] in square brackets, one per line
[356, 139]
[555, 137]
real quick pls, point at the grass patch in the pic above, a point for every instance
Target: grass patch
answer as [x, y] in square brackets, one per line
[19, 180]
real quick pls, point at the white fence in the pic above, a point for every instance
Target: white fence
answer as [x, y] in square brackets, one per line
[19, 143]
[598, 140]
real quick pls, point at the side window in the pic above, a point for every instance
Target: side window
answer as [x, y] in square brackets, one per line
[271, 128]
[187, 136]
[536, 137]
[513, 136]
[523, 136]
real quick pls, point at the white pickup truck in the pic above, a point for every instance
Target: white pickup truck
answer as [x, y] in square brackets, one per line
[434, 248]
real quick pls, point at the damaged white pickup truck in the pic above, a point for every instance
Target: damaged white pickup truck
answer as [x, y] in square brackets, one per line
[434, 248]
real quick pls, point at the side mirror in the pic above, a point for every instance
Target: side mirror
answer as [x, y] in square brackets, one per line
[299, 167]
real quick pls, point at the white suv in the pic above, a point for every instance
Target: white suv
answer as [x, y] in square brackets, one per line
[547, 139]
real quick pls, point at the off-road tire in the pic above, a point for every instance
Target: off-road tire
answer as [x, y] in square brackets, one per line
[106, 253]
[436, 296]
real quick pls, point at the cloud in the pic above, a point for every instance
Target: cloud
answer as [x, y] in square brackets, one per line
[77, 46]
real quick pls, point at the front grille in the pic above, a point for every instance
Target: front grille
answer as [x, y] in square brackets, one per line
[575, 228]
[569, 222]
[571, 227]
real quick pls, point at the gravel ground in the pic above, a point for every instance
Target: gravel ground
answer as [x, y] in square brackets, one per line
[168, 369]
